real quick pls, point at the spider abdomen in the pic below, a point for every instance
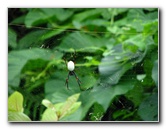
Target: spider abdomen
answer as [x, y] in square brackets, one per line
[70, 65]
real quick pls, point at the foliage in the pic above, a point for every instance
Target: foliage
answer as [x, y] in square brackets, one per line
[15, 108]
[116, 55]
[60, 110]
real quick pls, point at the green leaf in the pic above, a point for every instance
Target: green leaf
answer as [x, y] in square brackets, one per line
[32, 39]
[155, 72]
[137, 40]
[101, 93]
[15, 108]
[137, 18]
[70, 105]
[60, 110]
[97, 112]
[88, 14]
[18, 116]
[94, 22]
[148, 110]
[47, 103]
[44, 15]
[60, 13]
[15, 102]
[53, 32]
[49, 115]
[35, 17]
[17, 60]
[81, 42]
[136, 94]
[151, 28]
[113, 66]
[12, 38]
[19, 20]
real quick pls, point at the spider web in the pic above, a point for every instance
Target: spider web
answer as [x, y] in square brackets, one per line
[87, 68]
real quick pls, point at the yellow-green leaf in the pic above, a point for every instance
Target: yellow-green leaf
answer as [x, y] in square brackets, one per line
[71, 110]
[15, 102]
[70, 105]
[17, 116]
[47, 103]
[49, 115]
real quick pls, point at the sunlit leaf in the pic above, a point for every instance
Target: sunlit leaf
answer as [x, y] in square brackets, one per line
[17, 117]
[60, 110]
[49, 115]
[15, 102]
[47, 103]
[70, 105]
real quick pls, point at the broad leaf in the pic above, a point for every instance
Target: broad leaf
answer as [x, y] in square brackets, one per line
[17, 117]
[81, 42]
[60, 110]
[70, 106]
[15, 102]
[60, 13]
[101, 93]
[148, 110]
[32, 39]
[44, 15]
[17, 60]
[49, 115]
[113, 66]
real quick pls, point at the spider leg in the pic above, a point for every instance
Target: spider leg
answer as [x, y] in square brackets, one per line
[78, 80]
[67, 79]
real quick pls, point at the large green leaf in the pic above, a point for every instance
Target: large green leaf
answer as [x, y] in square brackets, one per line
[105, 93]
[113, 66]
[148, 110]
[81, 42]
[17, 60]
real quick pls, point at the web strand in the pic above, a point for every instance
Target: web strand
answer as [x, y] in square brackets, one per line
[74, 30]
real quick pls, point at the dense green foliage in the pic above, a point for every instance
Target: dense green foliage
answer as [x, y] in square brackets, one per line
[116, 56]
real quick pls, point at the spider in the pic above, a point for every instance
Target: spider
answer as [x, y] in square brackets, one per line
[70, 66]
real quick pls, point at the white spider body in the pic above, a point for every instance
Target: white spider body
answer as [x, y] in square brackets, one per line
[70, 65]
